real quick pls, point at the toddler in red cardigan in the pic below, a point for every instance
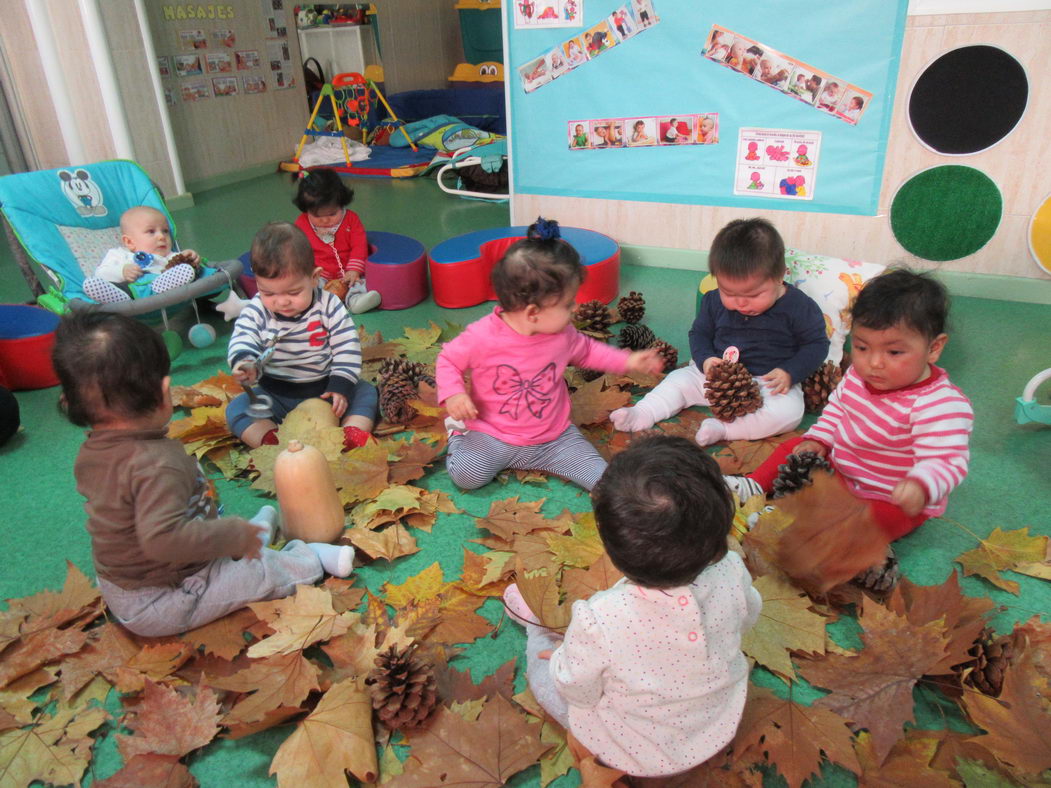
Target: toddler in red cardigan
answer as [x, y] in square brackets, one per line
[336, 235]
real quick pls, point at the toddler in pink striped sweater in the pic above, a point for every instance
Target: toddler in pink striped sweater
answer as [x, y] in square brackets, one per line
[895, 428]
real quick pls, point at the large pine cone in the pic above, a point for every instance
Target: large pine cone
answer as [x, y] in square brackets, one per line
[395, 394]
[991, 657]
[880, 579]
[636, 337]
[732, 391]
[403, 688]
[592, 316]
[632, 307]
[668, 353]
[795, 473]
[414, 371]
[818, 387]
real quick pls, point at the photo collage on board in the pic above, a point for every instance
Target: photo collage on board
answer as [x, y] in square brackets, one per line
[641, 132]
[823, 91]
[625, 22]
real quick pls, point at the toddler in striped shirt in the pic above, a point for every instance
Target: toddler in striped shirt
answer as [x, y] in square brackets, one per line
[895, 428]
[307, 338]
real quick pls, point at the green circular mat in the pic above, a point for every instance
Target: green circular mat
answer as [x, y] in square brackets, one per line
[946, 213]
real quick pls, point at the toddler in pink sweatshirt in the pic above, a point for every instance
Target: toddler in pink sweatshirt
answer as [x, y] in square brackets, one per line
[517, 412]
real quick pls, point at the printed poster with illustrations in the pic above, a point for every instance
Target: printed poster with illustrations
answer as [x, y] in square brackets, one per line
[547, 13]
[779, 163]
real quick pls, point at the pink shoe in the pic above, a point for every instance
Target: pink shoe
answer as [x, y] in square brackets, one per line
[517, 608]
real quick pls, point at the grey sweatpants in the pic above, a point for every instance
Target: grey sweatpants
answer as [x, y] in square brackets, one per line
[221, 587]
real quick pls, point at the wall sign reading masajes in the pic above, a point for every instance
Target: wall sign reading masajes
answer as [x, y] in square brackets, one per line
[779, 163]
[786, 74]
[626, 22]
[643, 132]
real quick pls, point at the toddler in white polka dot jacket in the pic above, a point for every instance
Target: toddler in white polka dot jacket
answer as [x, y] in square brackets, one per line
[650, 676]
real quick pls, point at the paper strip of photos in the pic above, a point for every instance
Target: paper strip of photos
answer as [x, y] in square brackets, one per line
[625, 22]
[702, 129]
[787, 75]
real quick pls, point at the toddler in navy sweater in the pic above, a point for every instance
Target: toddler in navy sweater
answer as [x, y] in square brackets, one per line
[778, 330]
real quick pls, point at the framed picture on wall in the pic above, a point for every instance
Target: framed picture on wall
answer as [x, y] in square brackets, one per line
[224, 86]
[164, 66]
[219, 63]
[246, 59]
[188, 65]
[254, 84]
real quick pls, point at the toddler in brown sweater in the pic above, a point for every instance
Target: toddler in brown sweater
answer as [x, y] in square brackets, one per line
[166, 562]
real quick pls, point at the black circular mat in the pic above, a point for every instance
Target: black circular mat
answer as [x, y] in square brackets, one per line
[968, 99]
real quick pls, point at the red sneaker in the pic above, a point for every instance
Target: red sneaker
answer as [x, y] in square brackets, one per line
[353, 437]
[270, 439]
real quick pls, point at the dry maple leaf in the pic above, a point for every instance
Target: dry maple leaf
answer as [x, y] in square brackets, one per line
[743, 457]
[594, 401]
[486, 752]
[223, 637]
[874, 687]
[345, 595]
[908, 764]
[156, 662]
[792, 737]
[964, 617]
[392, 542]
[362, 473]
[1007, 550]
[36, 649]
[205, 423]
[786, 624]
[418, 344]
[413, 457]
[455, 686]
[332, 740]
[170, 723]
[486, 574]
[581, 547]
[538, 582]
[458, 620]
[55, 749]
[424, 585]
[47, 609]
[17, 697]
[108, 649]
[155, 771]
[583, 583]
[834, 535]
[283, 680]
[1018, 723]
[510, 517]
[592, 773]
[298, 621]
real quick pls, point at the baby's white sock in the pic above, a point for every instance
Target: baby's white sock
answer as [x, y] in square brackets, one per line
[639, 417]
[711, 431]
[266, 518]
[336, 559]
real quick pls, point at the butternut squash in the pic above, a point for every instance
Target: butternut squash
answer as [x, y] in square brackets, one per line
[308, 415]
[306, 492]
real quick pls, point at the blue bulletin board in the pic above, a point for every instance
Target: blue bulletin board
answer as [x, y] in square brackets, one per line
[661, 72]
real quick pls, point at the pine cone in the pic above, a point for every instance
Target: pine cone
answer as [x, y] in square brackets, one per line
[636, 336]
[403, 688]
[992, 656]
[880, 579]
[337, 287]
[818, 387]
[731, 391]
[668, 352]
[592, 316]
[395, 394]
[632, 307]
[795, 473]
[181, 258]
[590, 374]
[414, 371]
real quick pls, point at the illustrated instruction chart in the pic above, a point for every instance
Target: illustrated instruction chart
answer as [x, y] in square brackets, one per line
[780, 163]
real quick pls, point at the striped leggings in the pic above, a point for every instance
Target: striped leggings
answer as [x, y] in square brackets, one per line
[476, 457]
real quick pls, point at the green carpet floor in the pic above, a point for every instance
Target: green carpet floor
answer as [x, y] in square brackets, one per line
[995, 347]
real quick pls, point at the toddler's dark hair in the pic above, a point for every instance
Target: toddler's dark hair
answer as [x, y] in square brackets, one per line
[320, 188]
[281, 248]
[109, 365]
[746, 247]
[900, 295]
[663, 511]
[538, 269]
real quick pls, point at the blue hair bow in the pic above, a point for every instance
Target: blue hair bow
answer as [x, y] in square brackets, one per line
[547, 229]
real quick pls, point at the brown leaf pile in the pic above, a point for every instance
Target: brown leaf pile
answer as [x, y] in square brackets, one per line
[301, 661]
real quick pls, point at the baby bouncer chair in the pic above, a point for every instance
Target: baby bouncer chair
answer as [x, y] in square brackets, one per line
[61, 222]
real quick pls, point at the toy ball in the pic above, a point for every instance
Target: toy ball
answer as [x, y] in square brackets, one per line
[173, 342]
[201, 335]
